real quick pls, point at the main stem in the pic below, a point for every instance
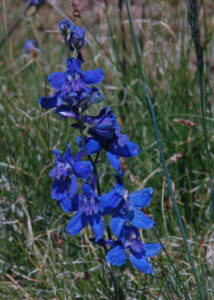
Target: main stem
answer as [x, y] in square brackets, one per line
[82, 135]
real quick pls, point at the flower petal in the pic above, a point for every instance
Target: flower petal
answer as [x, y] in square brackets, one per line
[109, 200]
[77, 223]
[49, 102]
[119, 189]
[82, 169]
[68, 114]
[73, 65]
[59, 187]
[117, 224]
[140, 220]
[57, 79]
[88, 191]
[69, 204]
[93, 77]
[141, 198]
[92, 145]
[141, 264]
[129, 149]
[114, 161]
[78, 156]
[116, 256]
[152, 249]
[73, 185]
[97, 226]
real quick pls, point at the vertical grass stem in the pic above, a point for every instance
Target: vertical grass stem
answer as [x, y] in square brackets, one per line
[168, 180]
[195, 29]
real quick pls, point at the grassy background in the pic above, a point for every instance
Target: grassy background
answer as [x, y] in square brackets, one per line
[38, 259]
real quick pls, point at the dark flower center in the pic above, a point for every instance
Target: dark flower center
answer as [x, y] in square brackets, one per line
[89, 205]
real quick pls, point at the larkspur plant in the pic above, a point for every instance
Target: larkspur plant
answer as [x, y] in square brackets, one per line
[74, 94]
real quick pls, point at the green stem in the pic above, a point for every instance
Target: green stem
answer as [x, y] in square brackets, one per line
[162, 156]
[94, 164]
[15, 24]
[182, 286]
[82, 135]
[193, 21]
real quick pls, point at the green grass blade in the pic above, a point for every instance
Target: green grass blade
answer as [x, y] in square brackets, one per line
[195, 29]
[152, 112]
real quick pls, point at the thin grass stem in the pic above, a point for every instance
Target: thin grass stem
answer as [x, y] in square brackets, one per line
[195, 29]
[162, 156]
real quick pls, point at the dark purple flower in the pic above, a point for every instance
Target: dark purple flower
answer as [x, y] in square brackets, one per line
[126, 207]
[88, 212]
[77, 38]
[65, 27]
[105, 134]
[66, 171]
[32, 46]
[72, 88]
[36, 2]
[129, 244]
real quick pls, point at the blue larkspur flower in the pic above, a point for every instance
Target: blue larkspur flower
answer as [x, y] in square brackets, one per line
[77, 38]
[73, 34]
[105, 134]
[72, 88]
[36, 2]
[65, 27]
[66, 171]
[129, 244]
[31, 46]
[88, 212]
[126, 207]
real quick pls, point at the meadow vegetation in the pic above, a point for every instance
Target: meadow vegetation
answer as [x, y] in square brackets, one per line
[38, 259]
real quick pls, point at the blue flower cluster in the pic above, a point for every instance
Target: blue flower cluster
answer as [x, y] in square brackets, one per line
[74, 93]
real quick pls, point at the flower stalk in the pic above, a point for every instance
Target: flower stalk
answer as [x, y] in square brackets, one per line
[76, 185]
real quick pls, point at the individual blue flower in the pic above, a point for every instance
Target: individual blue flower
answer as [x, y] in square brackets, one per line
[66, 171]
[77, 38]
[88, 212]
[74, 80]
[130, 245]
[126, 207]
[72, 88]
[65, 27]
[32, 46]
[36, 2]
[105, 134]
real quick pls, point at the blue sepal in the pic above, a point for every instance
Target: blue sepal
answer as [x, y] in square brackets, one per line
[97, 226]
[117, 224]
[116, 256]
[57, 79]
[142, 198]
[77, 223]
[141, 264]
[152, 249]
[114, 161]
[93, 77]
[140, 220]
